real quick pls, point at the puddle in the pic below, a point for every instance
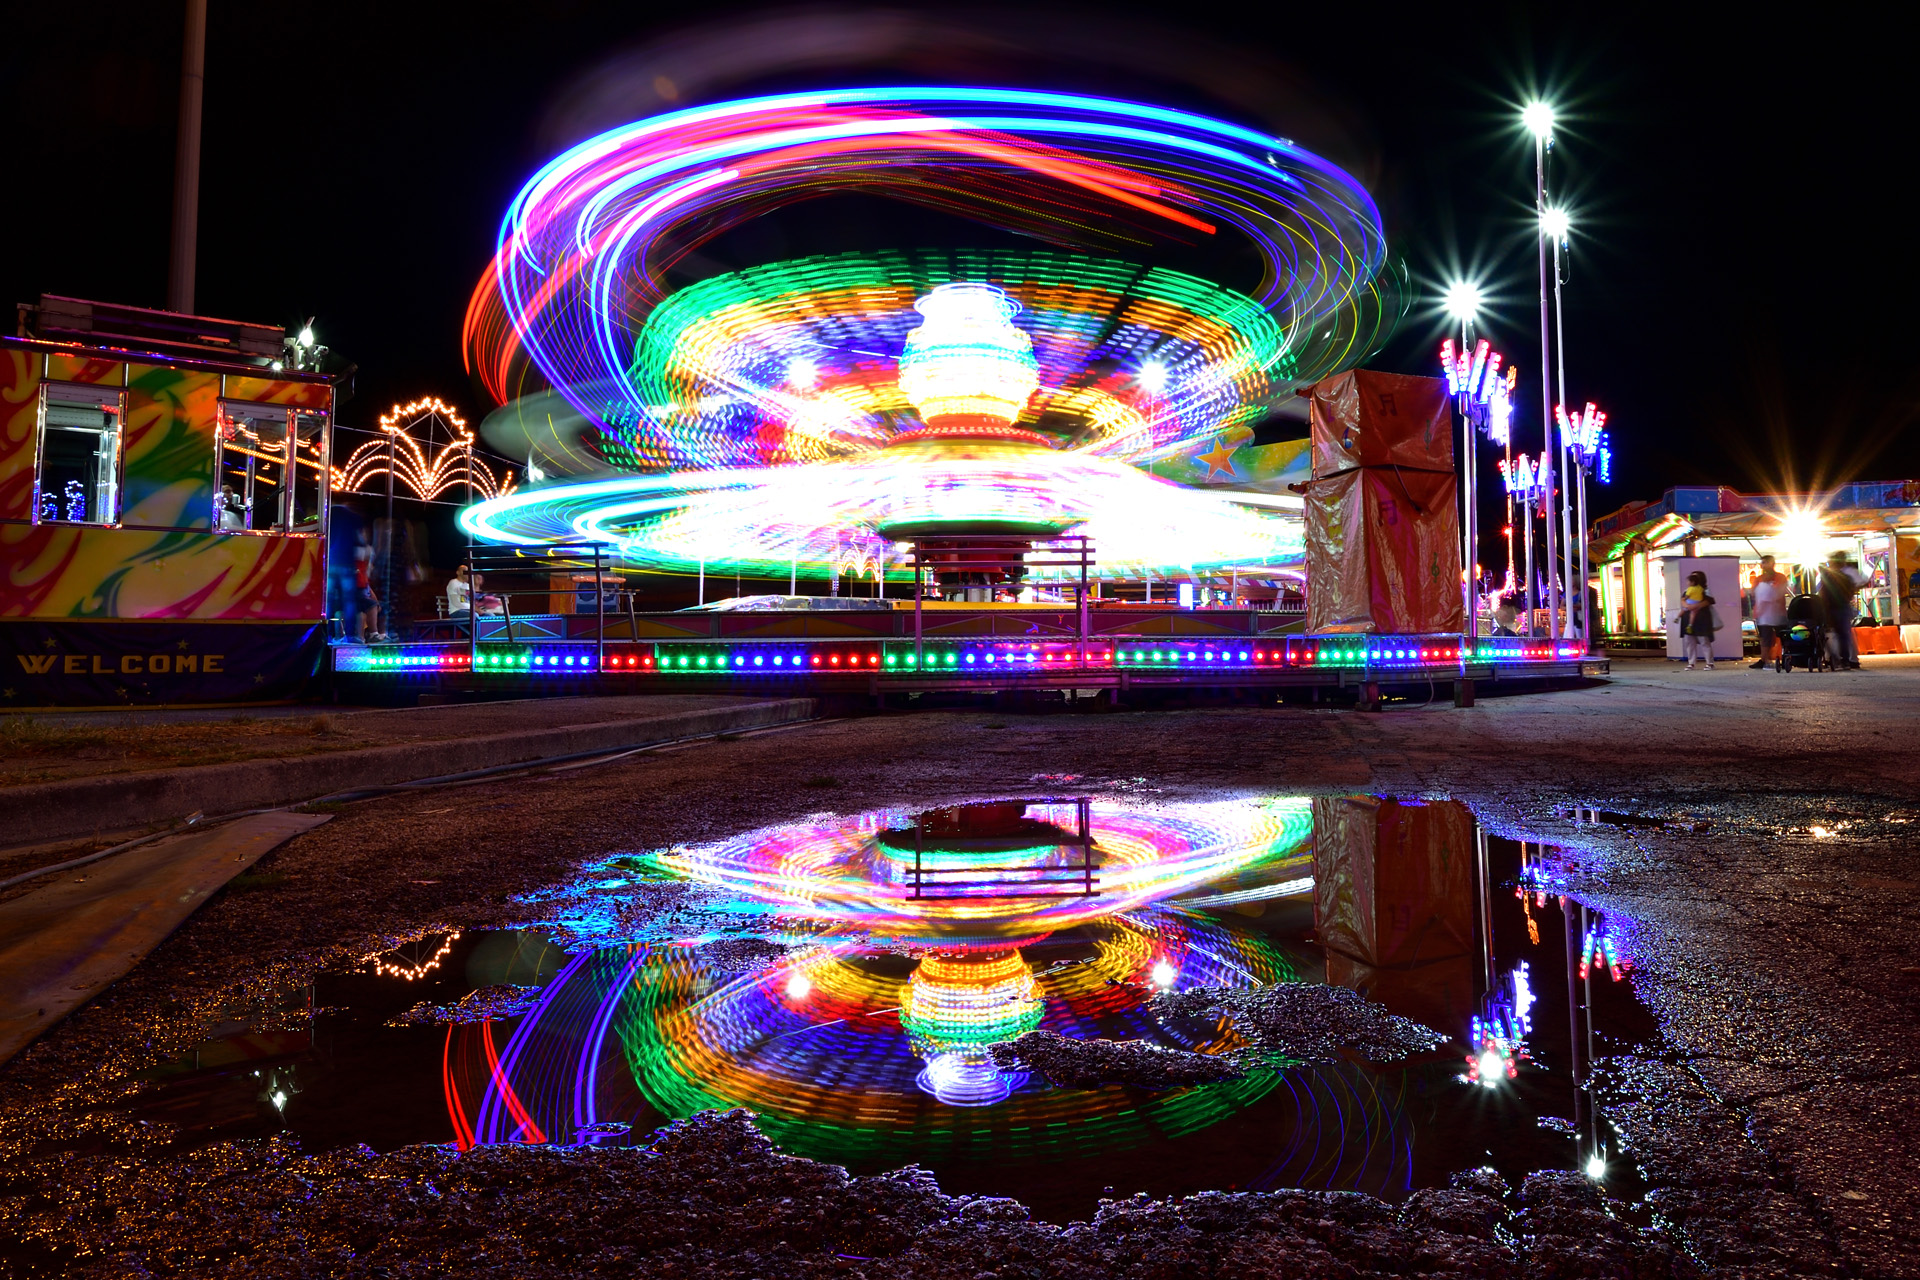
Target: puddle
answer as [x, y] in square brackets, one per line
[848, 979]
[1611, 818]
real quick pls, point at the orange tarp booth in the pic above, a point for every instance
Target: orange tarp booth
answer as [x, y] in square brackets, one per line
[1383, 534]
[1394, 903]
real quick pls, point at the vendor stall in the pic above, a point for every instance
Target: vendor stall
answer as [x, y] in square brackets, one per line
[1876, 524]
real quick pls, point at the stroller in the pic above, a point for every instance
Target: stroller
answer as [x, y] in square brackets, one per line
[1803, 641]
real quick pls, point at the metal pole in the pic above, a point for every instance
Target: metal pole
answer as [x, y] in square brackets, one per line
[1469, 524]
[186, 161]
[1546, 382]
[386, 574]
[1484, 882]
[701, 598]
[919, 583]
[1586, 611]
[1565, 450]
[473, 580]
[599, 613]
[1083, 601]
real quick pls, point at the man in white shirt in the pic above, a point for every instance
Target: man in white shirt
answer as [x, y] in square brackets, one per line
[459, 594]
[1769, 605]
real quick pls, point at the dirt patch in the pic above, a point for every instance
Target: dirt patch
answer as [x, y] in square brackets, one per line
[1305, 1022]
[36, 750]
[480, 1005]
[711, 1197]
[1088, 1064]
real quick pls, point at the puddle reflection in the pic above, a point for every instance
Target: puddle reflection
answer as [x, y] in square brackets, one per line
[847, 977]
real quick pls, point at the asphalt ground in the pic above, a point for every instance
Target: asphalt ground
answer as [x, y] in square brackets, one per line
[1777, 898]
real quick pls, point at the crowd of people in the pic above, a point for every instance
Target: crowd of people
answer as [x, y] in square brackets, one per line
[1832, 594]
[1830, 605]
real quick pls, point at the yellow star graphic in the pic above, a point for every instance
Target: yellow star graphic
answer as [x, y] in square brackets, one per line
[1219, 459]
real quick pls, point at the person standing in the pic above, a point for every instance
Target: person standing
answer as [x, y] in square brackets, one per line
[1696, 620]
[1769, 608]
[1839, 584]
[366, 602]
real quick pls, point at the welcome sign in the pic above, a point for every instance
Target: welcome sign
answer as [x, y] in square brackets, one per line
[97, 663]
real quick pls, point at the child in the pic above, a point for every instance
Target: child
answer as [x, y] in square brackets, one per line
[1696, 619]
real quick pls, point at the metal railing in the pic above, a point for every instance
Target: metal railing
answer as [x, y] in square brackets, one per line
[1005, 555]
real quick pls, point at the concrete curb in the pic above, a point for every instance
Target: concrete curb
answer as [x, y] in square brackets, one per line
[86, 806]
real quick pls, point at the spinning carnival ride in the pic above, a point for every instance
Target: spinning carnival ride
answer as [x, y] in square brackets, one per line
[808, 416]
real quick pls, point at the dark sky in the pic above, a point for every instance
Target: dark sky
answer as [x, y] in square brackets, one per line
[1742, 279]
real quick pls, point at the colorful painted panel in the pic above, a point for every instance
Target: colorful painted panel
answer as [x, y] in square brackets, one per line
[94, 371]
[1230, 460]
[19, 423]
[76, 664]
[307, 395]
[168, 464]
[63, 571]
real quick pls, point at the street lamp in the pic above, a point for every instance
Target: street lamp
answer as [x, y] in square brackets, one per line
[1537, 118]
[1462, 301]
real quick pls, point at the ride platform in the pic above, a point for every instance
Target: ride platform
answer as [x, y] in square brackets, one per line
[959, 649]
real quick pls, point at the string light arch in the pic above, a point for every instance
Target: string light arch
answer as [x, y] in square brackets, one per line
[428, 473]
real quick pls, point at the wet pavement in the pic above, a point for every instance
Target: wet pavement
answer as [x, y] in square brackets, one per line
[1765, 1094]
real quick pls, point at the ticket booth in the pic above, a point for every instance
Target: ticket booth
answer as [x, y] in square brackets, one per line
[162, 516]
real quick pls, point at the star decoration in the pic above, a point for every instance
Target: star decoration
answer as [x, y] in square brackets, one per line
[1219, 459]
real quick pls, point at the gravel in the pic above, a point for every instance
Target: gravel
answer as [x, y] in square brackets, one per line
[1088, 1064]
[483, 1004]
[1306, 1022]
[711, 1197]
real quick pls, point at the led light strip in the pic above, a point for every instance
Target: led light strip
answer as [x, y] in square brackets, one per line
[946, 657]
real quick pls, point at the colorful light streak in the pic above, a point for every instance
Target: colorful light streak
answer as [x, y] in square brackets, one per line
[1131, 363]
[841, 1052]
[817, 519]
[841, 870]
[812, 361]
[583, 248]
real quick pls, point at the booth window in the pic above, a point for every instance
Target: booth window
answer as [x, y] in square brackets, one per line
[252, 495]
[309, 472]
[79, 476]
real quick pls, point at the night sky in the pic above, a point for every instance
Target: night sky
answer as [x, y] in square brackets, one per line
[1742, 281]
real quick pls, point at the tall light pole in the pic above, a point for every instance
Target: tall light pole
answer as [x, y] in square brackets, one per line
[186, 161]
[1463, 304]
[1538, 119]
[1554, 226]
